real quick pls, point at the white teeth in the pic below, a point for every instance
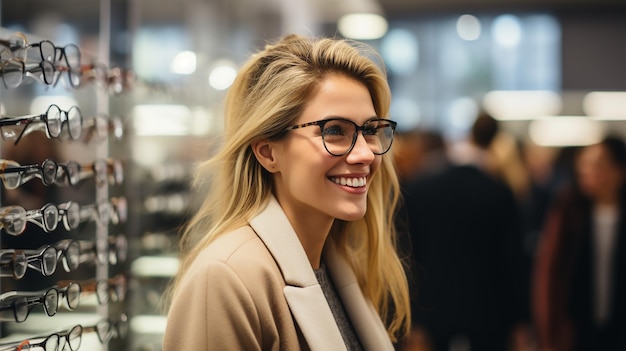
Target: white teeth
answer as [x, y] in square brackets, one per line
[351, 182]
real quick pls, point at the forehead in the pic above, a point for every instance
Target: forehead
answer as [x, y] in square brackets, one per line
[339, 96]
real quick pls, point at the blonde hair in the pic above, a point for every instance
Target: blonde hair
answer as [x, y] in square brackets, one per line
[268, 95]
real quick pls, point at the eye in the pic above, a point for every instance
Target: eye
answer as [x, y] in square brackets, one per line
[371, 129]
[336, 128]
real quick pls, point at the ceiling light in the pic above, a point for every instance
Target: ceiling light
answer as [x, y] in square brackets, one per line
[363, 26]
[184, 63]
[507, 30]
[468, 27]
[522, 104]
[605, 105]
[222, 75]
[561, 131]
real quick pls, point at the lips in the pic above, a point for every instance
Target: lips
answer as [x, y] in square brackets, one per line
[354, 182]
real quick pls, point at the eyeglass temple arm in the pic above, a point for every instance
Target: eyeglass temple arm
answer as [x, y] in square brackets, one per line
[15, 345]
[28, 122]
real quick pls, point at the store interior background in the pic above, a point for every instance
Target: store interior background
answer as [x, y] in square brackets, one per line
[443, 67]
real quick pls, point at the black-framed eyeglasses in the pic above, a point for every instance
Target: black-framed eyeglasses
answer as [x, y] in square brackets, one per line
[68, 251]
[60, 341]
[13, 219]
[106, 290]
[70, 56]
[108, 329]
[112, 250]
[43, 260]
[13, 263]
[14, 175]
[51, 122]
[18, 47]
[16, 305]
[115, 210]
[105, 171]
[339, 135]
[69, 214]
[14, 71]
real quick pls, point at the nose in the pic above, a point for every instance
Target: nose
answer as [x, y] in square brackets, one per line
[361, 152]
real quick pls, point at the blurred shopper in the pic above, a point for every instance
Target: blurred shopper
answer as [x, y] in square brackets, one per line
[419, 152]
[468, 284]
[293, 247]
[580, 274]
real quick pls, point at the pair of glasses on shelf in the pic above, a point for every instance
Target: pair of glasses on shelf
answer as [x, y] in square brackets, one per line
[15, 262]
[114, 79]
[64, 58]
[61, 341]
[17, 305]
[71, 339]
[13, 219]
[105, 171]
[100, 126]
[13, 72]
[112, 250]
[71, 253]
[114, 210]
[105, 290]
[18, 47]
[51, 122]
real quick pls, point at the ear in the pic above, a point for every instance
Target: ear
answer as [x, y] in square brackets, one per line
[265, 152]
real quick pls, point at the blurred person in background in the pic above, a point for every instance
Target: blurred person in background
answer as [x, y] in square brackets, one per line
[294, 245]
[579, 290]
[419, 152]
[468, 284]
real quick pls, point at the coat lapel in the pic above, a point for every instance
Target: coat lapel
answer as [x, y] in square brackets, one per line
[364, 318]
[302, 291]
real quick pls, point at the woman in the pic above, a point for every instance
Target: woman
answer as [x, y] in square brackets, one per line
[293, 247]
[580, 272]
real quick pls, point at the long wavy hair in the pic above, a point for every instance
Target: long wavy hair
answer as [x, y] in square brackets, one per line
[269, 93]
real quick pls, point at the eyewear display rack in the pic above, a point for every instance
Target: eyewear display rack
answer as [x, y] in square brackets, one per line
[63, 204]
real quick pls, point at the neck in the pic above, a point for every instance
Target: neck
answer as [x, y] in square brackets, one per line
[312, 230]
[312, 235]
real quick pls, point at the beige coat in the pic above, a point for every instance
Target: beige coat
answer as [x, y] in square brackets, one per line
[254, 289]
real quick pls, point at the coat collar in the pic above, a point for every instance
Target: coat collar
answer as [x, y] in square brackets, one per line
[305, 296]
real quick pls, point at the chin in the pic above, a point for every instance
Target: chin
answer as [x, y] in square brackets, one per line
[351, 214]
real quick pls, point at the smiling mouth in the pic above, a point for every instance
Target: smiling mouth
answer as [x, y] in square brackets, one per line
[357, 182]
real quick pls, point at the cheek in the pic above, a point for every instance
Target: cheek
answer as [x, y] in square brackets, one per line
[378, 160]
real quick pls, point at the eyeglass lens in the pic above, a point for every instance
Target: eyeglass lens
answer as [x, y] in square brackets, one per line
[340, 135]
[72, 295]
[14, 175]
[47, 261]
[71, 256]
[13, 219]
[50, 217]
[15, 265]
[52, 119]
[12, 73]
[22, 305]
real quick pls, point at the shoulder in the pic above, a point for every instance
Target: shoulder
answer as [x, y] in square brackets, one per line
[238, 255]
[224, 298]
